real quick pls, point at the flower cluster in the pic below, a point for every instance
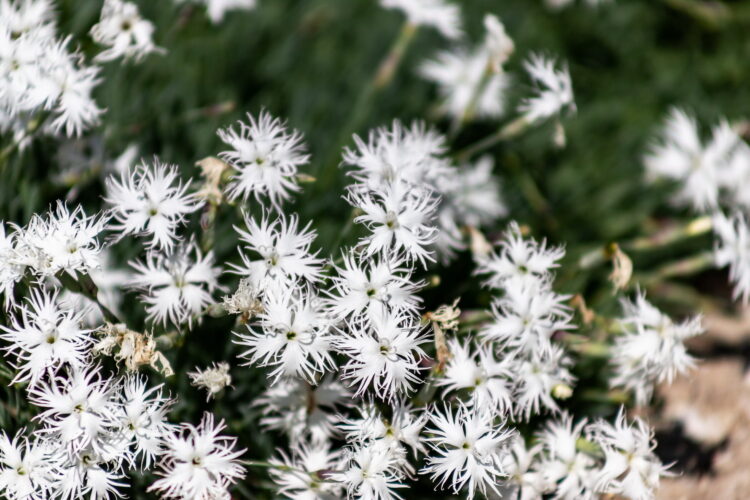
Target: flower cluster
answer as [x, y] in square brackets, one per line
[366, 390]
[93, 427]
[41, 75]
[709, 178]
[651, 348]
[123, 31]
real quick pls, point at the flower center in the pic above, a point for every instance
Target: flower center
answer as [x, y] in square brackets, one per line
[273, 259]
[291, 335]
[391, 220]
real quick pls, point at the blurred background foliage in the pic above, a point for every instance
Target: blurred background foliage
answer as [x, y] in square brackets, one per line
[308, 61]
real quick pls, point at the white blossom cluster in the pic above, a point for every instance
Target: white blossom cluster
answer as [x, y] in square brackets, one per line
[472, 82]
[651, 348]
[92, 427]
[710, 178]
[42, 74]
[368, 390]
[344, 342]
[46, 84]
[217, 9]
[347, 339]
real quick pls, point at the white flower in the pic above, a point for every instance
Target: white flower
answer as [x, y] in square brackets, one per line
[265, 157]
[554, 89]
[537, 377]
[558, 4]
[38, 73]
[198, 463]
[213, 379]
[679, 155]
[217, 9]
[470, 197]
[486, 379]
[399, 219]
[371, 472]
[372, 287]
[468, 450]
[45, 336]
[527, 316]
[439, 14]
[651, 349]
[386, 356]
[302, 411]
[631, 469]
[23, 17]
[71, 85]
[61, 241]
[176, 286]
[284, 251]
[519, 257]
[143, 418]
[299, 476]
[413, 155]
[150, 201]
[123, 30]
[77, 408]
[525, 481]
[464, 82]
[293, 336]
[732, 248]
[571, 472]
[402, 429]
[90, 472]
[11, 270]
[497, 43]
[473, 195]
[27, 468]
[734, 174]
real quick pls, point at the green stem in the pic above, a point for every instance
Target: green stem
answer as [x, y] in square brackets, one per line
[392, 61]
[471, 107]
[614, 396]
[659, 239]
[684, 267]
[695, 227]
[585, 346]
[30, 130]
[510, 130]
[470, 319]
[712, 14]
[84, 285]
[266, 465]
[208, 226]
[383, 76]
